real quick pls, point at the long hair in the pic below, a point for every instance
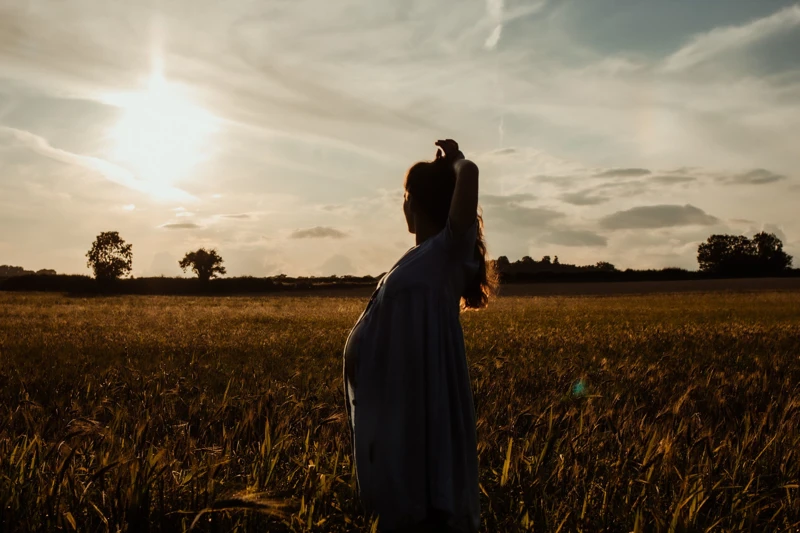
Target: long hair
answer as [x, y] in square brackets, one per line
[431, 184]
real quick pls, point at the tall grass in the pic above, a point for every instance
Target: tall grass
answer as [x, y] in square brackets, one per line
[648, 413]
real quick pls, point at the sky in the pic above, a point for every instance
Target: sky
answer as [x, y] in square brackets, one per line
[279, 132]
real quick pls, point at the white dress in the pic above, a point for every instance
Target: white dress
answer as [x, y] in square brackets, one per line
[411, 411]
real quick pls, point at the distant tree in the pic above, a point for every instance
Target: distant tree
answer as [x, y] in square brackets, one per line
[546, 260]
[46, 272]
[110, 257]
[555, 261]
[206, 264]
[771, 257]
[738, 255]
[605, 266]
[527, 260]
[725, 254]
[9, 271]
[502, 263]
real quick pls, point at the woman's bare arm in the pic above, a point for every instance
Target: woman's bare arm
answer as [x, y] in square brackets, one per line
[464, 205]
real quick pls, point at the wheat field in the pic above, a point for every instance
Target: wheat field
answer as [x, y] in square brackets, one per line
[621, 413]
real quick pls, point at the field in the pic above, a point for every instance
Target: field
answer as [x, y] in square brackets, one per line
[673, 412]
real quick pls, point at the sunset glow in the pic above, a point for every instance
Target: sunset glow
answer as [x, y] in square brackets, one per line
[161, 136]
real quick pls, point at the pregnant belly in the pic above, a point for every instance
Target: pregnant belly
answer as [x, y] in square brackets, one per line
[351, 360]
[351, 353]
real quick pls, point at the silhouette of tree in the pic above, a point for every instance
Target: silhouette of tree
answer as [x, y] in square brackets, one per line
[206, 264]
[502, 263]
[771, 257]
[555, 261]
[110, 257]
[9, 271]
[546, 260]
[605, 266]
[738, 255]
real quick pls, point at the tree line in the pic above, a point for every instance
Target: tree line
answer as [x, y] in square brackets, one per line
[111, 258]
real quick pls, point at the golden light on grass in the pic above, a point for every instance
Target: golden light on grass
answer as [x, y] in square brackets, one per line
[621, 413]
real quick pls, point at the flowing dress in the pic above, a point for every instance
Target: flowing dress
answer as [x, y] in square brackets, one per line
[411, 412]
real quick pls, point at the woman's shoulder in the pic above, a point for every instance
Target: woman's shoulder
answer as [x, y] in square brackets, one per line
[423, 268]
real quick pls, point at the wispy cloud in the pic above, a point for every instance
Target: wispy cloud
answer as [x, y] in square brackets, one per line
[575, 238]
[494, 11]
[658, 216]
[585, 197]
[319, 232]
[180, 225]
[110, 171]
[706, 47]
[623, 173]
[758, 176]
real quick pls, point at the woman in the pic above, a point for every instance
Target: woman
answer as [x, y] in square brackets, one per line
[407, 386]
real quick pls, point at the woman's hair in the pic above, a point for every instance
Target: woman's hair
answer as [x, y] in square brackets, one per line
[431, 185]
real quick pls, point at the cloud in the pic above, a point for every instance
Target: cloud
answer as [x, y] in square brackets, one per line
[110, 171]
[623, 173]
[576, 238]
[336, 265]
[758, 176]
[180, 225]
[318, 232]
[494, 199]
[236, 215]
[584, 197]
[164, 264]
[707, 47]
[611, 189]
[673, 180]
[518, 216]
[494, 9]
[506, 210]
[776, 230]
[658, 216]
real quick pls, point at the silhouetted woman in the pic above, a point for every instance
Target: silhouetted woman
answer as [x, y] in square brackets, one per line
[407, 386]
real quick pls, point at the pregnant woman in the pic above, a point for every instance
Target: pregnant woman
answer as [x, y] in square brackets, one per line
[407, 386]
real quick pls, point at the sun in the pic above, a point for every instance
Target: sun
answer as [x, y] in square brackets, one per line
[161, 136]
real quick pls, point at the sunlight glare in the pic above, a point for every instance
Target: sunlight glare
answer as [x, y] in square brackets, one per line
[161, 136]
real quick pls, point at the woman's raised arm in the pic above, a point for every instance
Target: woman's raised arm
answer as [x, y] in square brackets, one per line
[464, 205]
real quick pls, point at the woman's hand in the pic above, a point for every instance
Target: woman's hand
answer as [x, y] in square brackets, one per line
[448, 150]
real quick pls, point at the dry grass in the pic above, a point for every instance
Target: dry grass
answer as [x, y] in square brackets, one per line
[636, 413]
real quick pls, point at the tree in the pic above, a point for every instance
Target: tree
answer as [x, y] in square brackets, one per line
[110, 257]
[605, 266]
[771, 257]
[546, 260]
[205, 263]
[737, 255]
[502, 263]
[9, 271]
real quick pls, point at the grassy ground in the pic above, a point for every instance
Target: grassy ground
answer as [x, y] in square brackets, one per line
[624, 413]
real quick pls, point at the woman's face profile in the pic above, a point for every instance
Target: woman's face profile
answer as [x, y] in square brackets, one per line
[408, 213]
